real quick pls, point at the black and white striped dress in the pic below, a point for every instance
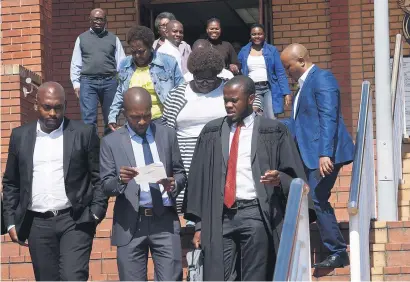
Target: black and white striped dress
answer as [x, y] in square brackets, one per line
[174, 106]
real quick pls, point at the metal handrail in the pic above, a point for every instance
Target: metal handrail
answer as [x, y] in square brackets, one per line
[353, 205]
[398, 111]
[290, 247]
[395, 70]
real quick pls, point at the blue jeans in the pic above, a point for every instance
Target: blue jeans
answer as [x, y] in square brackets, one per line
[94, 90]
[326, 221]
[265, 96]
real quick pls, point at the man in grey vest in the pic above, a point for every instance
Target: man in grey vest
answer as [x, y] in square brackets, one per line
[96, 59]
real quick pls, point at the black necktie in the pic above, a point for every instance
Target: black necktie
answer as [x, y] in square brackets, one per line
[156, 196]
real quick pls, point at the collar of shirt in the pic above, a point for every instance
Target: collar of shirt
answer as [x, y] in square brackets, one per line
[248, 121]
[133, 134]
[92, 31]
[302, 79]
[170, 44]
[57, 131]
[155, 61]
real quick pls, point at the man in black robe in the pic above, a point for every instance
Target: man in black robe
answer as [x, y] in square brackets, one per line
[239, 180]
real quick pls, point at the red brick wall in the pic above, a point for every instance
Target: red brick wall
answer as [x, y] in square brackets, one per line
[16, 108]
[21, 33]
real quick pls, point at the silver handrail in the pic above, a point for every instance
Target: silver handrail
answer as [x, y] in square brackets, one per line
[398, 111]
[291, 250]
[395, 70]
[361, 205]
[353, 205]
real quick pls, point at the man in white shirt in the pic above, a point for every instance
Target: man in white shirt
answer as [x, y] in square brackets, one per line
[161, 22]
[174, 36]
[145, 216]
[51, 188]
[252, 159]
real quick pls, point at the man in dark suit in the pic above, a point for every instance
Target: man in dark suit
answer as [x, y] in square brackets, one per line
[145, 216]
[323, 142]
[238, 183]
[51, 188]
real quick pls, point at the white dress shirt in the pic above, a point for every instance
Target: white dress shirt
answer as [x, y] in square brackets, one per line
[245, 184]
[172, 50]
[48, 188]
[301, 81]
[136, 142]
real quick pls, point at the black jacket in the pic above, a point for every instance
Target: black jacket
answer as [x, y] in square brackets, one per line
[81, 174]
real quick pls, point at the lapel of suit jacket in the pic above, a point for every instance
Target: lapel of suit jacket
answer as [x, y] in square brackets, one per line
[30, 139]
[68, 141]
[225, 135]
[255, 135]
[304, 87]
[160, 142]
[126, 145]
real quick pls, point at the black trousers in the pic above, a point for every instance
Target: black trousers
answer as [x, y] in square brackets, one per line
[60, 249]
[246, 246]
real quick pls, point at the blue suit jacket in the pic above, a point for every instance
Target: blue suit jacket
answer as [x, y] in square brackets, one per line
[318, 126]
[278, 83]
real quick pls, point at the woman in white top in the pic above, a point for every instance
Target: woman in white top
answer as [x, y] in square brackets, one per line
[261, 62]
[193, 104]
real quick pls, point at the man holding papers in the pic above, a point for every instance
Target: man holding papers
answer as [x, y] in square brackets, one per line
[141, 165]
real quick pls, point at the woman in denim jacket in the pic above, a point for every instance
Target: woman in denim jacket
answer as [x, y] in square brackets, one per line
[261, 62]
[157, 73]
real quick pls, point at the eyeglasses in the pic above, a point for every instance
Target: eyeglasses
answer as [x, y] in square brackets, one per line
[201, 80]
[139, 52]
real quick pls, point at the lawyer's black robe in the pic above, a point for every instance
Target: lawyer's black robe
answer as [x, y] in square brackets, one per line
[272, 148]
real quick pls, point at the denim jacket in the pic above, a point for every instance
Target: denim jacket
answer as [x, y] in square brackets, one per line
[165, 75]
[278, 82]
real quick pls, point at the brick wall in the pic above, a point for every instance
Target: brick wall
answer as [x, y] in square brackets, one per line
[305, 22]
[16, 108]
[22, 30]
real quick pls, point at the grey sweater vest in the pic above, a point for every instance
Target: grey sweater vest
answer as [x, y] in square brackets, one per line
[98, 53]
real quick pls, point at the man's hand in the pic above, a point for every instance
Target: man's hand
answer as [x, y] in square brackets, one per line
[77, 92]
[234, 68]
[271, 177]
[288, 100]
[168, 183]
[127, 174]
[197, 240]
[113, 126]
[14, 238]
[325, 166]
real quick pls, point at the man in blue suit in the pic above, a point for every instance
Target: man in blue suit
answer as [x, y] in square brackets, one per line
[323, 142]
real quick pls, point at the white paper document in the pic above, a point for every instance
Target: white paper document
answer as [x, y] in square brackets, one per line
[150, 173]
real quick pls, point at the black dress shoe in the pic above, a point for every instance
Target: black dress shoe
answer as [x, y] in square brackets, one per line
[334, 261]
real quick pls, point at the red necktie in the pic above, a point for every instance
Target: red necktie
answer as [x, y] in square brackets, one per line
[230, 183]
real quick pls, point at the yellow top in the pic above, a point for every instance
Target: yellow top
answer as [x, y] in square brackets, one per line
[142, 78]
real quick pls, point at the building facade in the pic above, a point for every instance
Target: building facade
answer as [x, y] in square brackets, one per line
[38, 38]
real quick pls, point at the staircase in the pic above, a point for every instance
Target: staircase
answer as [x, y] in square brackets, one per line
[390, 243]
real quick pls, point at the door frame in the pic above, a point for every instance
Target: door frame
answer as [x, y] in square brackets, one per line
[265, 12]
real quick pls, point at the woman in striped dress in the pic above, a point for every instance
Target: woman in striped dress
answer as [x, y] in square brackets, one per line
[191, 105]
